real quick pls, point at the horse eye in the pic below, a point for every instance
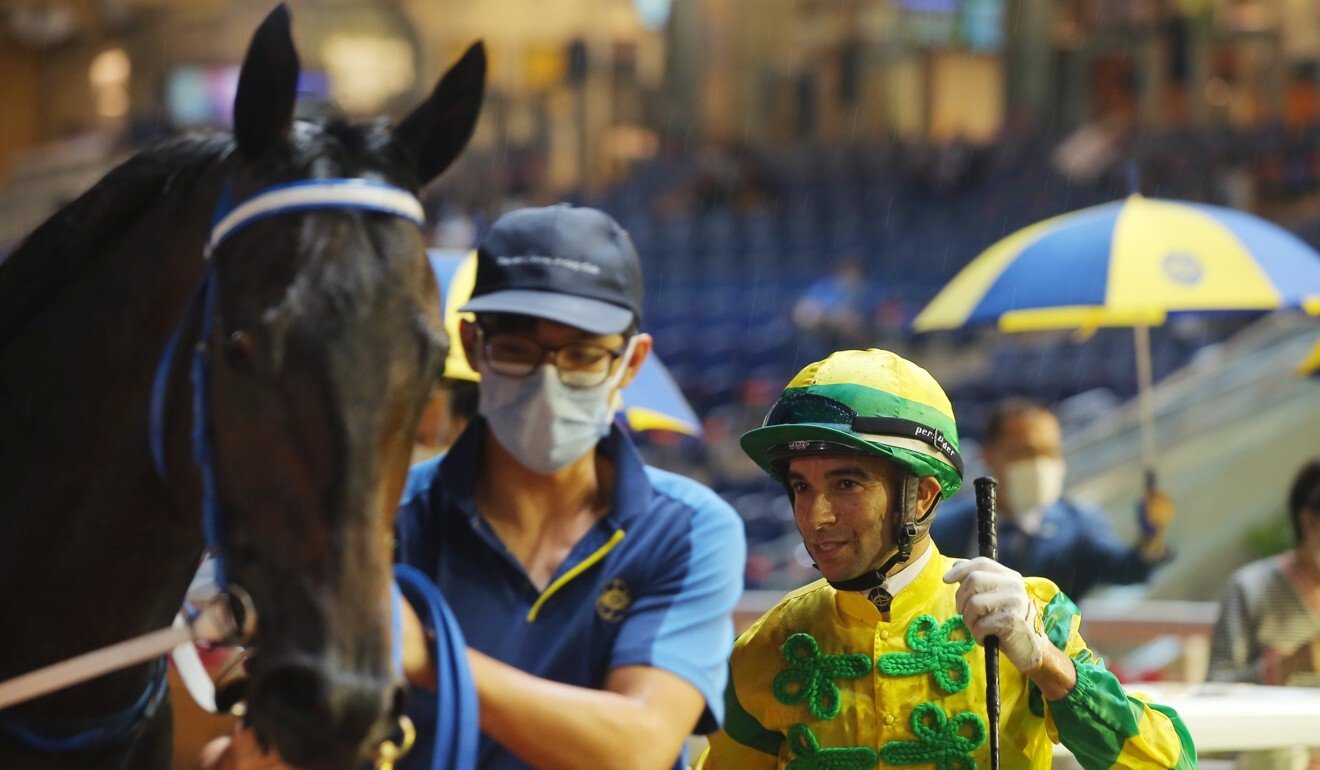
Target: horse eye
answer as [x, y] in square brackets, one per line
[240, 350]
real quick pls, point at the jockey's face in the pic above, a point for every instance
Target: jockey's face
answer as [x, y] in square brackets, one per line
[840, 505]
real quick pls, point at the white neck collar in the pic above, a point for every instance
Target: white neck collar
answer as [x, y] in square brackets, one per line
[904, 577]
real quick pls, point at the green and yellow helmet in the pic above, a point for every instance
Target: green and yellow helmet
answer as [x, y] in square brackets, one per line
[865, 401]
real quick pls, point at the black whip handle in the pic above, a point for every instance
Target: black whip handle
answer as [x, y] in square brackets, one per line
[989, 547]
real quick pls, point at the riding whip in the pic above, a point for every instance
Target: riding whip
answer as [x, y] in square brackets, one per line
[989, 547]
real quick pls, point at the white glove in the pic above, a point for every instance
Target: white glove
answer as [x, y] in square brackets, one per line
[993, 601]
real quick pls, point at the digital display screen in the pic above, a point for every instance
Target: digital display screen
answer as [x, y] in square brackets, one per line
[204, 96]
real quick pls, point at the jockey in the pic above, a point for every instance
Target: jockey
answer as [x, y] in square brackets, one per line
[881, 661]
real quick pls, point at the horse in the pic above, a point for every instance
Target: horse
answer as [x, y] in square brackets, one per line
[320, 337]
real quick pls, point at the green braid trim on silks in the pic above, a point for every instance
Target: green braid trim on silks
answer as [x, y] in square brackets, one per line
[808, 755]
[947, 743]
[810, 675]
[934, 651]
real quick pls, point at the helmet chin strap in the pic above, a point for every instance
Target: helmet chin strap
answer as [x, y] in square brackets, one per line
[908, 531]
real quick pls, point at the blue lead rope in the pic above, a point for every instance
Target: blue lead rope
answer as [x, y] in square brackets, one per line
[78, 736]
[457, 729]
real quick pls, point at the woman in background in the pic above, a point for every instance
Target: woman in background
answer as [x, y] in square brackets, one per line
[1268, 630]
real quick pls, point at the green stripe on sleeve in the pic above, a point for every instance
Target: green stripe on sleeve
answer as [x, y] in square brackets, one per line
[1186, 759]
[1096, 719]
[1057, 619]
[745, 728]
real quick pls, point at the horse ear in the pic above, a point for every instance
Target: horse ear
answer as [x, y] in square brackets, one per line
[440, 127]
[267, 87]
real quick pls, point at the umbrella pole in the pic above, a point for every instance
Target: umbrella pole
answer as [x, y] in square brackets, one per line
[1145, 401]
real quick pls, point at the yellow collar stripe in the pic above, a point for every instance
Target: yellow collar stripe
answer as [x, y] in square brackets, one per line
[578, 569]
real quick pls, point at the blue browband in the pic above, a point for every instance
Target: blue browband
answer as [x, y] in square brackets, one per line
[311, 194]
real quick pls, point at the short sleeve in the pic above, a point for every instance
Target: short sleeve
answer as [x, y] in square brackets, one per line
[682, 621]
[1232, 648]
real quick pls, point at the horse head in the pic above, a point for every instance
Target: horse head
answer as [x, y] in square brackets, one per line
[324, 339]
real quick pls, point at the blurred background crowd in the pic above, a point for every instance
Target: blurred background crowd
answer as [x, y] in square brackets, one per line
[801, 176]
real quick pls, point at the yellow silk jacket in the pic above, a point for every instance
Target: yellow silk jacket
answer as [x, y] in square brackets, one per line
[824, 681]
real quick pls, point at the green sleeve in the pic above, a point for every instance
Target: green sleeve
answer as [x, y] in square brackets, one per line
[746, 729]
[1099, 722]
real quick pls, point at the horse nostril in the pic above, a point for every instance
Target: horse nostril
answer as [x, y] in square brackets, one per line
[399, 702]
[298, 689]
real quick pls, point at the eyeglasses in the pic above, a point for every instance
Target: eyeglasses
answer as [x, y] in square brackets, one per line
[579, 364]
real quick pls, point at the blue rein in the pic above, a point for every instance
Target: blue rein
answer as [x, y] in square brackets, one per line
[456, 723]
[457, 726]
[75, 736]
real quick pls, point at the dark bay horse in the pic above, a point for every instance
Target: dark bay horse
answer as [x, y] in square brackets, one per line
[323, 342]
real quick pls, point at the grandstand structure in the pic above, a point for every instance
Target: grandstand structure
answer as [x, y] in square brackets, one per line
[750, 146]
[725, 269]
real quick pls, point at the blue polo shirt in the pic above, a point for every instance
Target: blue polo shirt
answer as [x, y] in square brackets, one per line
[653, 583]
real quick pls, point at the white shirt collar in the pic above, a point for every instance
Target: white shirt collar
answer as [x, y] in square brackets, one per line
[904, 577]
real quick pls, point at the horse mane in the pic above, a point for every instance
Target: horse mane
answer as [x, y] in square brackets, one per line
[44, 263]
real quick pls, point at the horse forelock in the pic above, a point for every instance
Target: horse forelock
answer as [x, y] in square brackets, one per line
[344, 259]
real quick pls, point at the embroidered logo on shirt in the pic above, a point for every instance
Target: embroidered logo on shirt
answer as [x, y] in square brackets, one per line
[808, 755]
[943, 741]
[614, 601]
[937, 650]
[882, 600]
[810, 675]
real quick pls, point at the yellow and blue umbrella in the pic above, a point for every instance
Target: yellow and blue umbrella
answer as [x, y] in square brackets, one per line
[1133, 263]
[652, 401]
[1130, 263]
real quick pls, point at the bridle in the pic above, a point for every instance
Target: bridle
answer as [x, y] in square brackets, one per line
[338, 194]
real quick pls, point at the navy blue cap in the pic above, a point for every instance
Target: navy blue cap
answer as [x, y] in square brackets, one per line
[573, 265]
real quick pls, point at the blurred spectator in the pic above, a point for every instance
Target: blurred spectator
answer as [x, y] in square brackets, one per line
[1268, 630]
[455, 228]
[954, 167]
[726, 176]
[1236, 187]
[1042, 532]
[1091, 150]
[450, 408]
[832, 313]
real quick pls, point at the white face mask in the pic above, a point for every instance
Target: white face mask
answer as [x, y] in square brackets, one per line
[543, 423]
[1031, 486]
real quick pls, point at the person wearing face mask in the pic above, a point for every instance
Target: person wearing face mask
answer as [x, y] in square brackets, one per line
[595, 593]
[1268, 631]
[452, 402]
[1042, 531]
[881, 662]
